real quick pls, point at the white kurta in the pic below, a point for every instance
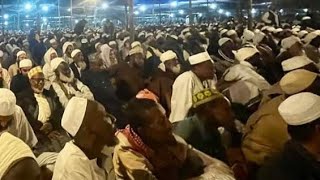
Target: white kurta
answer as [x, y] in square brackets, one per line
[21, 128]
[6, 78]
[184, 87]
[73, 164]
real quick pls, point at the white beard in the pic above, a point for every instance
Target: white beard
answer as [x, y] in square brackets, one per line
[82, 65]
[176, 69]
[65, 78]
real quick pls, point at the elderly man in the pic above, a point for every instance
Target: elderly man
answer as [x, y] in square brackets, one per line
[55, 45]
[5, 78]
[66, 85]
[265, 132]
[147, 148]
[200, 76]
[47, 70]
[91, 128]
[299, 158]
[225, 57]
[67, 49]
[162, 81]
[17, 160]
[128, 77]
[14, 68]
[20, 81]
[78, 64]
[13, 119]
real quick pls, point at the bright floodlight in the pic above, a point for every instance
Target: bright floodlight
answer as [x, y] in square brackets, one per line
[6, 23]
[213, 6]
[45, 8]
[174, 4]
[44, 19]
[76, 21]
[228, 13]
[136, 13]
[305, 10]
[69, 9]
[200, 14]
[281, 11]
[105, 5]
[28, 6]
[253, 11]
[171, 15]
[27, 16]
[220, 11]
[5, 16]
[27, 24]
[143, 8]
[181, 12]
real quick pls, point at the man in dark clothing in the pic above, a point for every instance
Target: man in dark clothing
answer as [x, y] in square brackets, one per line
[78, 64]
[20, 81]
[300, 158]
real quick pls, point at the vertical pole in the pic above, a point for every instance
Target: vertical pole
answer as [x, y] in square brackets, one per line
[160, 15]
[127, 16]
[131, 25]
[71, 19]
[249, 9]
[18, 24]
[2, 14]
[59, 15]
[190, 13]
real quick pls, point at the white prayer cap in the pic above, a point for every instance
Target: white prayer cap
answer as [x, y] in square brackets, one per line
[47, 159]
[112, 43]
[7, 102]
[74, 35]
[278, 30]
[75, 52]
[300, 109]
[258, 37]
[45, 40]
[74, 114]
[136, 50]
[231, 32]
[1, 54]
[20, 53]
[25, 63]
[65, 46]
[188, 34]
[295, 63]
[271, 29]
[52, 41]
[135, 44]
[62, 39]
[288, 42]
[302, 34]
[306, 18]
[84, 40]
[223, 40]
[245, 53]
[247, 35]
[199, 58]
[159, 36]
[148, 35]
[12, 150]
[96, 45]
[168, 55]
[310, 37]
[297, 81]
[55, 63]
[141, 34]
[185, 30]
[174, 37]
[223, 31]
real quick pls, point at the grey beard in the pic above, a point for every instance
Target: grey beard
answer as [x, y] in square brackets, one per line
[82, 65]
[66, 79]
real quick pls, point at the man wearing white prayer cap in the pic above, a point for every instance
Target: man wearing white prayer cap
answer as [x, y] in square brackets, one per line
[293, 46]
[78, 64]
[232, 34]
[67, 49]
[66, 85]
[13, 119]
[299, 62]
[17, 160]
[312, 46]
[14, 68]
[201, 76]
[247, 37]
[299, 158]
[91, 128]
[162, 81]
[265, 132]
[20, 81]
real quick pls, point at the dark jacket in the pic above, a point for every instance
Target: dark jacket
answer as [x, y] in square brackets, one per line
[19, 83]
[294, 163]
[75, 70]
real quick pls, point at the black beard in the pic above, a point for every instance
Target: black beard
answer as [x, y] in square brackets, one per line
[1, 83]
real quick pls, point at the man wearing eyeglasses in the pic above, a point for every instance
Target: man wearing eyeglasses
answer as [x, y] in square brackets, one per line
[20, 81]
[13, 119]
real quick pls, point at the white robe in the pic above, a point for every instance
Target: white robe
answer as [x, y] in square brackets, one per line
[21, 128]
[73, 164]
[184, 87]
[6, 78]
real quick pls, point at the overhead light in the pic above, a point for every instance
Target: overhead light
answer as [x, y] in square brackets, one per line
[220, 11]
[200, 14]
[142, 8]
[281, 11]
[136, 13]
[105, 5]
[6, 23]
[213, 6]
[76, 21]
[28, 6]
[174, 4]
[171, 15]
[181, 12]
[69, 9]
[6, 16]
[253, 11]
[228, 13]
[45, 8]
[27, 16]
[27, 24]
[305, 10]
[44, 19]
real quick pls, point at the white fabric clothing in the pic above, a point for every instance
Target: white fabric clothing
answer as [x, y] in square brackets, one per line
[44, 108]
[184, 87]
[21, 128]
[6, 78]
[83, 92]
[246, 73]
[73, 164]
[105, 56]
[67, 59]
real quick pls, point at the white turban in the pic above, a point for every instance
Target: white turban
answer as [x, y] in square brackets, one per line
[247, 35]
[231, 32]
[52, 41]
[25, 63]
[56, 62]
[75, 52]
[288, 42]
[74, 114]
[20, 53]
[295, 63]
[310, 37]
[12, 150]
[245, 53]
[302, 34]
[47, 55]
[223, 40]
[7, 102]
[135, 44]
[65, 46]
[199, 58]
[136, 50]
[258, 37]
[168, 55]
